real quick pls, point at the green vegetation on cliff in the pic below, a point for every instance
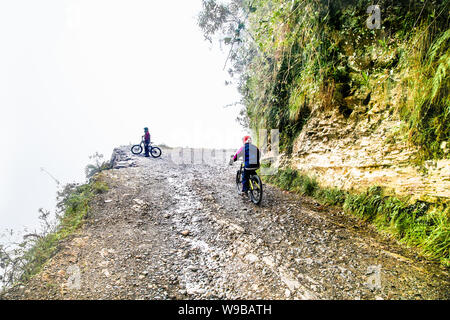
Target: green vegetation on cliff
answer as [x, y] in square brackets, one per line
[75, 201]
[292, 57]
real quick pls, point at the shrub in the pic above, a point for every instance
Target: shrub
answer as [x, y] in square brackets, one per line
[98, 166]
[23, 262]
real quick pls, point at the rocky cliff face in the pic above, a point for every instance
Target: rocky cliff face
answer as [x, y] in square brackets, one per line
[364, 149]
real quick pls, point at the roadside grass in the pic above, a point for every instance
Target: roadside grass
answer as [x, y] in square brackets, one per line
[419, 224]
[75, 201]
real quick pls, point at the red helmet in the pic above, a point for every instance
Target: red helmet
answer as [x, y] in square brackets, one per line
[247, 139]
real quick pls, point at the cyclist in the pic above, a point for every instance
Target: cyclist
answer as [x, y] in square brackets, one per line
[250, 154]
[146, 141]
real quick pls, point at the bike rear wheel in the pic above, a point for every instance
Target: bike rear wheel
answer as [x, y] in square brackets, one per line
[136, 149]
[155, 152]
[256, 189]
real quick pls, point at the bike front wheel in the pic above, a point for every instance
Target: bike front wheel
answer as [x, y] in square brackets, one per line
[256, 189]
[155, 152]
[136, 149]
[239, 181]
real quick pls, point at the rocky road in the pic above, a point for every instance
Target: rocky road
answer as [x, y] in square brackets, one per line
[180, 231]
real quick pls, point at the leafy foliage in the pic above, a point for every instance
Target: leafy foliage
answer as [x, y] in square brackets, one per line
[416, 223]
[291, 58]
[427, 83]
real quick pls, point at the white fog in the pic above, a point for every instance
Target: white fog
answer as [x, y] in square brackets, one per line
[78, 77]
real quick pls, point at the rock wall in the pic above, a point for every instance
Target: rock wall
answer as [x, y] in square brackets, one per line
[366, 149]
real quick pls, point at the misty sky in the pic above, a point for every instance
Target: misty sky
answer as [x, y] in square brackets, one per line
[78, 77]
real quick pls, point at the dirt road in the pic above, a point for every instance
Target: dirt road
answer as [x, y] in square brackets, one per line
[175, 231]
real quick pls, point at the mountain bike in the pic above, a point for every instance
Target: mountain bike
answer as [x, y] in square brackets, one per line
[255, 187]
[154, 151]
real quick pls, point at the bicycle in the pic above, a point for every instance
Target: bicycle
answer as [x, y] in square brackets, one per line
[255, 185]
[154, 151]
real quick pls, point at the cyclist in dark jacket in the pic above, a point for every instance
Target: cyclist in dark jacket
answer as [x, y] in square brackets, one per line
[146, 141]
[250, 154]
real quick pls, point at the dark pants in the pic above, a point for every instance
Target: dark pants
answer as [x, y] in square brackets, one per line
[245, 177]
[146, 150]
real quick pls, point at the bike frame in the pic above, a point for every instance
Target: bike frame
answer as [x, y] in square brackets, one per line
[143, 144]
[249, 180]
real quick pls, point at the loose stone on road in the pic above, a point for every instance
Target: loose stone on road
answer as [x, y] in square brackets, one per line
[181, 231]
